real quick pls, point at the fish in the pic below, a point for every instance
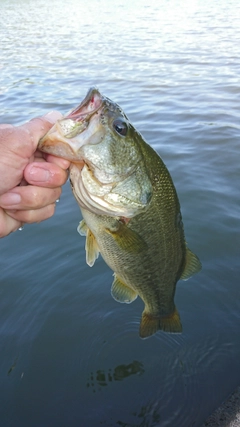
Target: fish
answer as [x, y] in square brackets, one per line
[130, 208]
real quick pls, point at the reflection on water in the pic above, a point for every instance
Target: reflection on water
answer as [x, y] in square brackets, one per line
[174, 68]
[102, 378]
[148, 416]
[10, 370]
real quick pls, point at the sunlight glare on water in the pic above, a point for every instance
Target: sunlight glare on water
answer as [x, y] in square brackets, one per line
[70, 354]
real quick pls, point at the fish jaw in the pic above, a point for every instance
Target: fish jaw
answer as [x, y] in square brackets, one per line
[62, 139]
[55, 143]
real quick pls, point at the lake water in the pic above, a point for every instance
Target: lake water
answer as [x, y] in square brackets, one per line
[71, 355]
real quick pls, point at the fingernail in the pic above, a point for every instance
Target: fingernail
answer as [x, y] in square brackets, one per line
[10, 199]
[39, 174]
[53, 116]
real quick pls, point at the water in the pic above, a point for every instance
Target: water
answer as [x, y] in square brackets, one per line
[70, 355]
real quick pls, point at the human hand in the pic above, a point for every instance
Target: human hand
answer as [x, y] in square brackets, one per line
[30, 180]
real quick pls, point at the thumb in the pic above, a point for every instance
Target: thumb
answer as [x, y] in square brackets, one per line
[52, 116]
[38, 127]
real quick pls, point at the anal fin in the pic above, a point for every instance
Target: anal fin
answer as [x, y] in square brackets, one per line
[150, 324]
[121, 292]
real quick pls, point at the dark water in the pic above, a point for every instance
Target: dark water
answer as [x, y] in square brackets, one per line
[70, 355]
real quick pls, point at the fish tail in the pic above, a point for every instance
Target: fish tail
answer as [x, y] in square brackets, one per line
[150, 324]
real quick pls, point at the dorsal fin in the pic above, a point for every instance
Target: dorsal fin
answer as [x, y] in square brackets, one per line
[192, 265]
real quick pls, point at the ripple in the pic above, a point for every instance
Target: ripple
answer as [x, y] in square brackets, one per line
[174, 71]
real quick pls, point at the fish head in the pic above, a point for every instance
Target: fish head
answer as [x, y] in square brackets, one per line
[108, 172]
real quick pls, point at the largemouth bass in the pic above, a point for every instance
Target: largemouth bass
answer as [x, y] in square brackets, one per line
[130, 208]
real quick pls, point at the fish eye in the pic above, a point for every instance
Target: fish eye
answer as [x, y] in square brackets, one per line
[120, 127]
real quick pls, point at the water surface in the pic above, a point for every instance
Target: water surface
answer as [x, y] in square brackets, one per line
[70, 355]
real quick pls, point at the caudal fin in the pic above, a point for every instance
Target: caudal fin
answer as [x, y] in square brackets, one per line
[150, 325]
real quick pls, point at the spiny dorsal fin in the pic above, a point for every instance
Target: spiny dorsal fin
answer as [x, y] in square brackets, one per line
[121, 292]
[192, 265]
[150, 324]
[127, 239]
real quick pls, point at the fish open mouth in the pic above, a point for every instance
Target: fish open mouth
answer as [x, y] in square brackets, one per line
[61, 140]
[89, 106]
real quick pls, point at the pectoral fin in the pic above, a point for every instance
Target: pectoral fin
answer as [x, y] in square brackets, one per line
[121, 292]
[91, 246]
[150, 324]
[82, 228]
[127, 239]
[192, 265]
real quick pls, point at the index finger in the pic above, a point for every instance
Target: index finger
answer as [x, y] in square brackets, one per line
[59, 161]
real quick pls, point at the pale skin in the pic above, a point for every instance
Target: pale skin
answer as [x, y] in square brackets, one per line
[30, 181]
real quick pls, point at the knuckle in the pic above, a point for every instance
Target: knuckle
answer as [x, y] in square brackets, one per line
[31, 196]
[35, 197]
[28, 216]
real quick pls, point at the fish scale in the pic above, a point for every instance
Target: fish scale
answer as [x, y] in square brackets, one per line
[165, 246]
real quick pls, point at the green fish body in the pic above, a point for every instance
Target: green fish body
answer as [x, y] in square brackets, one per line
[130, 208]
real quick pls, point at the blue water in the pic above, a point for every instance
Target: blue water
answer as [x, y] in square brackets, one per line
[70, 355]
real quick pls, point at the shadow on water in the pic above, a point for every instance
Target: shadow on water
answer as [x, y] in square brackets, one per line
[102, 377]
[148, 416]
